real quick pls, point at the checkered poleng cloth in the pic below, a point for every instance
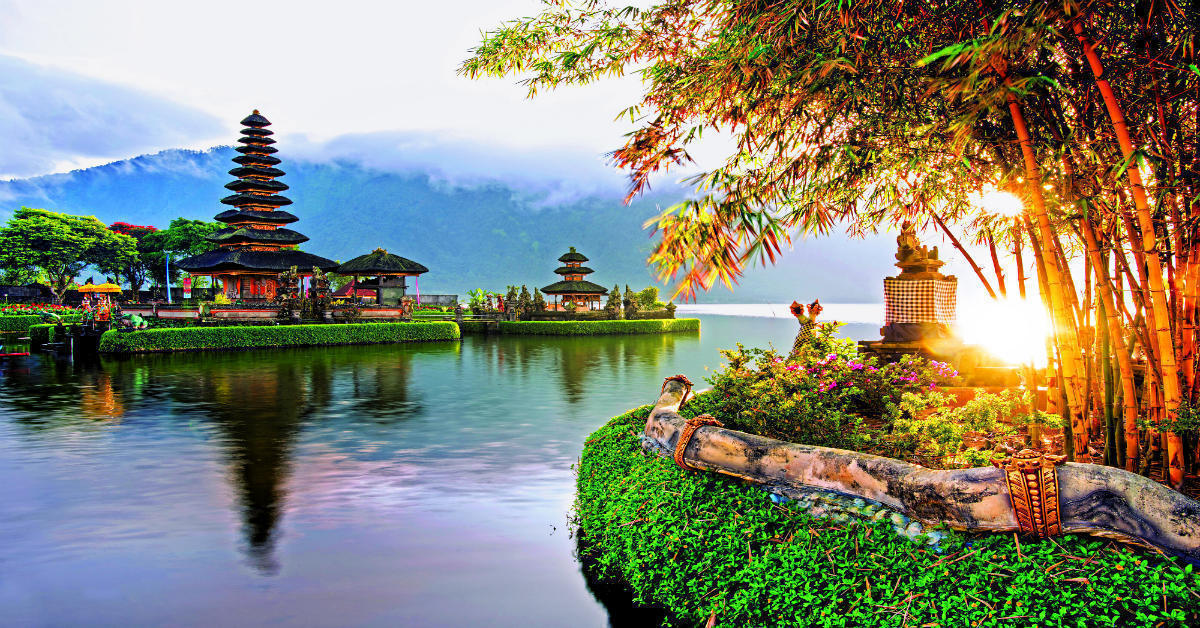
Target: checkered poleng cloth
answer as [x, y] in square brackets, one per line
[920, 300]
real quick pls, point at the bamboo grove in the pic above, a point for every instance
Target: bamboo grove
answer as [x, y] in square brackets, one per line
[858, 115]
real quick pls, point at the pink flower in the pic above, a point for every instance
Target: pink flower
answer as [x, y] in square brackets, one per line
[793, 367]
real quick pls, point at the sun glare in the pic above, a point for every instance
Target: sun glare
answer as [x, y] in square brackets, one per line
[1000, 202]
[1013, 330]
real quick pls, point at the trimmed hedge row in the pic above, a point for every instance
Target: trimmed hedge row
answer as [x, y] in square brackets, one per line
[42, 334]
[596, 328]
[473, 327]
[244, 337]
[23, 322]
[702, 546]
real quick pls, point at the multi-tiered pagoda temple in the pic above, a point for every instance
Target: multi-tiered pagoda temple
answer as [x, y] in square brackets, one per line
[574, 288]
[255, 247]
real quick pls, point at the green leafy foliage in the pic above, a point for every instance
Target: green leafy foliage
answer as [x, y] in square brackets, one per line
[26, 322]
[206, 338]
[932, 432]
[183, 238]
[703, 546]
[59, 246]
[825, 401]
[597, 328]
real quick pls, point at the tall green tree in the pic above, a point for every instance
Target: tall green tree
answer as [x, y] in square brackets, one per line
[137, 272]
[183, 238]
[60, 246]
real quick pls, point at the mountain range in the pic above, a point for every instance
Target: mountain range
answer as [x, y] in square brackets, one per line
[483, 233]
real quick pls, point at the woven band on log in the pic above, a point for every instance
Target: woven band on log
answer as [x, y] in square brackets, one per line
[1032, 480]
[687, 387]
[685, 437]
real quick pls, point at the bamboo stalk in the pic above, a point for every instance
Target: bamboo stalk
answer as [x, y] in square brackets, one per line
[1161, 319]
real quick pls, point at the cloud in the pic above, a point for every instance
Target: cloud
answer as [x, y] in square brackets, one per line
[51, 120]
[551, 175]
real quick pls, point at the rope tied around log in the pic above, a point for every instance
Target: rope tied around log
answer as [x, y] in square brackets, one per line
[685, 437]
[682, 379]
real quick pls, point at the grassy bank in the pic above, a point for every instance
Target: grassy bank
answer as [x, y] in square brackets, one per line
[700, 546]
[598, 328]
[246, 337]
[22, 322]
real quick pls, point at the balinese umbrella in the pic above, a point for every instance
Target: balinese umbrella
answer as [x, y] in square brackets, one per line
[103, 287]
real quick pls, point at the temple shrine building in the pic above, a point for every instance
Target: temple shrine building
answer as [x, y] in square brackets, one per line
[255, 246]
[574, 288]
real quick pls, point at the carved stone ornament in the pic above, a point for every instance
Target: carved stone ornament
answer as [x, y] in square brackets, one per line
[1032, 481]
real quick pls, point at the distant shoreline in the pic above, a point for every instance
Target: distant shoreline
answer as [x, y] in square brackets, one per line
[853, 313]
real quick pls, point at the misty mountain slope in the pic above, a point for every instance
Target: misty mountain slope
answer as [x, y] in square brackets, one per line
[483, 234]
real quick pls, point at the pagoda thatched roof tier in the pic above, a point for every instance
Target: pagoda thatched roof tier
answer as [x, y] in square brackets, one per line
[273, 200]
[256, 160]
[572, 256]
[574, 287]
[248, 260]
[245, 150]
[256, 120]
[249, 215]
[573, 270]
[257, 132]
[250, 235]
[255, 171]
[380, 262]
[256, 140]
[254, 185]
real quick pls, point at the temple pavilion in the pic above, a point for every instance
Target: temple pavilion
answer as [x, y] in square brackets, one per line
[391, 273]
[255, 247]
[573, 288]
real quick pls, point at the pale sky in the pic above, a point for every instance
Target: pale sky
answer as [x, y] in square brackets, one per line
[318, 69]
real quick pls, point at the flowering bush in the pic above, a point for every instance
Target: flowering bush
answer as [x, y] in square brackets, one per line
[35, 309]
[836, 400]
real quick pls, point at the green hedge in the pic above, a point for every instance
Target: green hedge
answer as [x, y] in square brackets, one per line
[243, 337]
[23, 322]
[41, 334]
[700, 545]
[474, 327]
[596, 328]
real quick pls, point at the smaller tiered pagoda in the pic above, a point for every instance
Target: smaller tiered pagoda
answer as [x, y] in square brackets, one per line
[574, 288]
[255, 248]
[390, 272]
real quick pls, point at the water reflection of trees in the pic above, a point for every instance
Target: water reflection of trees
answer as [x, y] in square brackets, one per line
[573, 360]
[257, 404]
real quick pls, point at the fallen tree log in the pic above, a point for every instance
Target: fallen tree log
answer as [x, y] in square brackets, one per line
[1092, 499]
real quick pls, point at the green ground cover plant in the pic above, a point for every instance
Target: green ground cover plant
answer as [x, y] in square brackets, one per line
[597, 328]
[245, 337]
[707, 547]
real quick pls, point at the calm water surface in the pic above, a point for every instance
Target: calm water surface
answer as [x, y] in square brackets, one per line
[423, 485]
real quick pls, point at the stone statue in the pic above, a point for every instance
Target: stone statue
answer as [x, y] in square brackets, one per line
[808, 325]
[913, 260]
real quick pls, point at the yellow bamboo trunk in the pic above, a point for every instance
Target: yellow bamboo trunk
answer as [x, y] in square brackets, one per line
[1158, 297]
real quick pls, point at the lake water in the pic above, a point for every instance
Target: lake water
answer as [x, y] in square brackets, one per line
[422, 485]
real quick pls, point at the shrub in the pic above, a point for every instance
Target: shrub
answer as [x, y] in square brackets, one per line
[41, 334]
[22, 322]
[596, 328]
[473, 327]
[817, 401]
[931, 432]
[205, 338]
[703, 546]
